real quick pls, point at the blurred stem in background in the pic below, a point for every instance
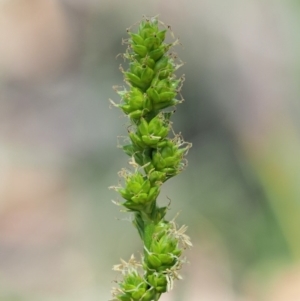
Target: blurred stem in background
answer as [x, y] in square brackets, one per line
[276, 162]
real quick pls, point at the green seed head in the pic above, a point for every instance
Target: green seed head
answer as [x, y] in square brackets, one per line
[134, 288]
[149, 134]
[158, 281]
[138, 191]
[156, 156]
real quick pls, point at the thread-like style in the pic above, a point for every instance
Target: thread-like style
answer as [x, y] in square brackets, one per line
[155, 158]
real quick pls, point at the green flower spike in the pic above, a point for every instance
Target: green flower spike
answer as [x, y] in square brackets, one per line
[155, 158]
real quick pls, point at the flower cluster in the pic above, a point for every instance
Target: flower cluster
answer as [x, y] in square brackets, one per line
[156, 157]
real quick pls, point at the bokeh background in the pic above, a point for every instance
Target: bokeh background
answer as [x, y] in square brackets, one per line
[59, 232]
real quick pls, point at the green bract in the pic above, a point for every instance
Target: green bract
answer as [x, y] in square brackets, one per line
[155, 158]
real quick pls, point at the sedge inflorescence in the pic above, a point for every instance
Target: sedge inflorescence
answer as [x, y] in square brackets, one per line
[157, 154]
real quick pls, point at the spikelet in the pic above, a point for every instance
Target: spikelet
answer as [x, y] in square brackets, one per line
[153, 91]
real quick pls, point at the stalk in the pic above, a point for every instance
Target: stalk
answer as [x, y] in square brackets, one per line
[156, 155]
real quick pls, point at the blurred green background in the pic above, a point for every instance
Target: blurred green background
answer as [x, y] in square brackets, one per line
[240, 195]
